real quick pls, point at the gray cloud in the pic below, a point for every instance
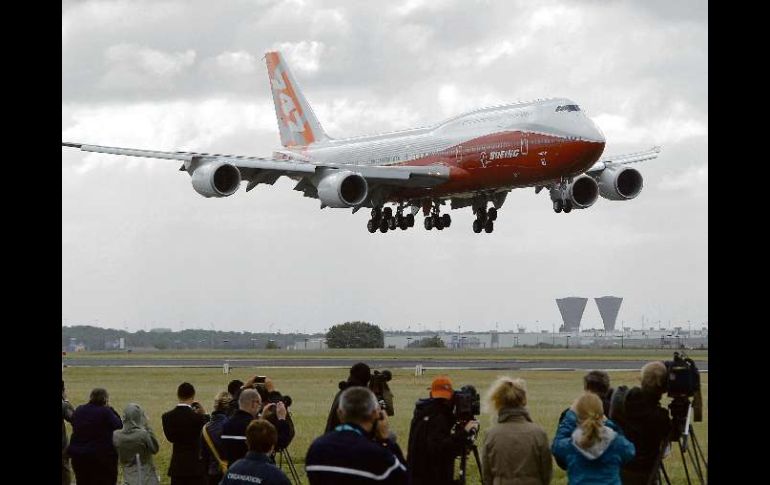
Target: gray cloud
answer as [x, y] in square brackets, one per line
[139, 245]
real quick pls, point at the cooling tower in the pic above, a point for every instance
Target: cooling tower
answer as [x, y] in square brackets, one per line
[609, 306]
[571, 309]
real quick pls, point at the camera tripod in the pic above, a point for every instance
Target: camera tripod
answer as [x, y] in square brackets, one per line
[285, 456]
[469, 446]
[695, 453]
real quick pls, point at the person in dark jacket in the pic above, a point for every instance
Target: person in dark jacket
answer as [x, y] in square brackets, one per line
[433, 446]
[594, 453]
[255, 467]
[212, 448]
[94, 459]
[646, 424]
[361, 450]
[597, 382]
[66, 415]
[234, 429]
[182, 427]
[234, 389]
[360, 375]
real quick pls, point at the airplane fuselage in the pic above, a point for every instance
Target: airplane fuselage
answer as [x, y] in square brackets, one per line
[491, 149]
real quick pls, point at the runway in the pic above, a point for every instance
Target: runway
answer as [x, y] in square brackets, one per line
[479, 364]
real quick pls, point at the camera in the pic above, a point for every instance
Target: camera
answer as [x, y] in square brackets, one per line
[467, 403]
[378, 384]
[683, 383]
[275, 397]
[195, 405]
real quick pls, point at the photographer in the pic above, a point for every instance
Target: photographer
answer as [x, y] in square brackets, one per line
[135, 444]
[360, 375]
[212, 448]
[234, 429]
[515, 449]
[93, 457]
[359, 451]
[645, 423]
[182, 427]
[433, 446]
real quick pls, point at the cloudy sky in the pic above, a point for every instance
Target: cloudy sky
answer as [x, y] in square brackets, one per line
[141, 249]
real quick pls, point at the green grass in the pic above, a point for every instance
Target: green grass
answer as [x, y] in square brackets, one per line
[312, 390]
[394, 354]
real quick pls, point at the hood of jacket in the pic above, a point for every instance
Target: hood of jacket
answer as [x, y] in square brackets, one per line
[133, 419]
[596, 450]
[513, 414]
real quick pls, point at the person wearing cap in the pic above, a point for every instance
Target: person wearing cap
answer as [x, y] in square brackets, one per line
[360, 375]
[435, 439]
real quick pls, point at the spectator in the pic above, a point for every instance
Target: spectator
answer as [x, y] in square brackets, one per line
[66, 415]
[136, 443]
[234, 389]
[234, 430]
[515, 449]
[255, 467]
[182, 427]
[93, 457]
[212, 448]
[593, 452]
[358, 451]
[360, 375]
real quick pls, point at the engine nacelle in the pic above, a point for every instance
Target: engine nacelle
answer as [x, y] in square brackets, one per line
[620, 183]
[342, 188]
[216, 179]
[582, 192]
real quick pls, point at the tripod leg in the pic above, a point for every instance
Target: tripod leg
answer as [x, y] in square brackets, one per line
[292, 470]
[684, 463]
[463, 462]
[478, 462]
[665, 475]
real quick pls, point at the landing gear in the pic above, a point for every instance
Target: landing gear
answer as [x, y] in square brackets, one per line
[428, 223]
[567, 206]
[477, 226]
[492, 214]
[370, 226]
[484, 219]
[489, 226]
[384, 219]
[434, 218]
[557, 206]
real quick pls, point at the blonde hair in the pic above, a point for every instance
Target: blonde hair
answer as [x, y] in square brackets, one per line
[590, 415]
[222, 400]
[506, 392]
[654, 375]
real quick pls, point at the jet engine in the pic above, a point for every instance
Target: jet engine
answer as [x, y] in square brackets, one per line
[582, 192]
[216, 179]
[620, 183]
[342, 188]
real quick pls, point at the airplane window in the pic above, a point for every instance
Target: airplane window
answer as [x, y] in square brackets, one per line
[568, 107]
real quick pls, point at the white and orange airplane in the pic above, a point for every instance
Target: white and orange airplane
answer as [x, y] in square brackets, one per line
[473, 159]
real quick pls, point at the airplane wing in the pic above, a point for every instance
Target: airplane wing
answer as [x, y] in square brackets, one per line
[258, 170]
[603, 162]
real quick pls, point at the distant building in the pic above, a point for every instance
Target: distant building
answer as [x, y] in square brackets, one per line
[571, 309]
[609, 306]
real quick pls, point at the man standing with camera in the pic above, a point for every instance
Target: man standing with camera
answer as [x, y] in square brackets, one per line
[361, 450]
[645, 423]
[182, 427]
[234, 429]
[433, 446]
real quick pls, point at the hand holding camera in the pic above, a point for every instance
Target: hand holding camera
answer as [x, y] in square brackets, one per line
[381, 426]
[196, 406]
[472, 427]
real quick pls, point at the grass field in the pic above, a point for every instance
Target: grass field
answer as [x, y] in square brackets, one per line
[312, 390]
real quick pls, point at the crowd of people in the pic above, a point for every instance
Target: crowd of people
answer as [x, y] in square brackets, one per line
[606, 436]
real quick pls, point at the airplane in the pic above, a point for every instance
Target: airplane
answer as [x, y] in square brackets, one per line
[471, 160]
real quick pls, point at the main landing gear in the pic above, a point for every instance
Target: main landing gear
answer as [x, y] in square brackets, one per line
[485, 219]
[559, 205]
[434, 218]
[384, 220]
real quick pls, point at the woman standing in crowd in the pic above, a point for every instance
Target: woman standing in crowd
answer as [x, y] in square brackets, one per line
[94, 459]
[593, 452]
[515, 449]
[136, 443]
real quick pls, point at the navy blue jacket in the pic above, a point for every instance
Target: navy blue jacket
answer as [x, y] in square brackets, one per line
[214, 428]
[347, 456]
[92, 428]
[254, 468]
[234, 435]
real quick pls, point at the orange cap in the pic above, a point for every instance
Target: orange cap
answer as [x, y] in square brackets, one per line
[441, 387]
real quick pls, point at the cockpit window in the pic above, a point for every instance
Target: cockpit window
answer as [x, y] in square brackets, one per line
[568, 107]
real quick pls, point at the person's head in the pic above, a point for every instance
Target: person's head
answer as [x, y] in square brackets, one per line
[133, 416]
[261, 436]
[250, 401]
[598, 382]
[507, 392]
[358, 405]
[654, 376]
[360, 374]
[99, 397]
[222, 401]
[590, 415]
[441, 388]
[185, 392]
[234, 387]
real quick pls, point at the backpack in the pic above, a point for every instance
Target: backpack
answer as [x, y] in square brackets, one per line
[418, 439]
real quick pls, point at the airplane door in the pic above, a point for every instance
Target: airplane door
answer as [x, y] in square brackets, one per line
[459, 154]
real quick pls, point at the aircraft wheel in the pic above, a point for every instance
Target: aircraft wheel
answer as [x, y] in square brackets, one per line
[447, 220]
[403, 225]
[376, 213]
[557, 206]
[392, 223]
[371, 226]
[428, 223]
[477, 226]
[383, 225]
[387, 212]
[489, 227]
[568, 207]
[410, 220]
[492, 214]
